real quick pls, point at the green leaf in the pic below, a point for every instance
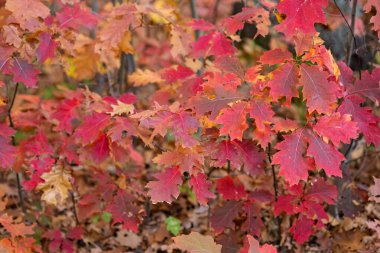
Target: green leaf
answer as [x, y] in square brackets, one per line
[173, 225]
[106, 216]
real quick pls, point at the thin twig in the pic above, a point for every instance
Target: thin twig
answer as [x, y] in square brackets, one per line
[353, 40]
[194, 15]
[275, 187]
[74, 208]
[18, 175]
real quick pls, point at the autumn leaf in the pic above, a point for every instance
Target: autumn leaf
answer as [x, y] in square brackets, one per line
[201, 188]
[230, 189]
[7, 153]
[233, 120]
[326, 156]
[294, 166]
[124, 210]
[56, 186]
[337, 128]
[375, 20]
[23, 72]
[166, 187]
[367, 122]
[27, 12]
[301, 15]
[284, 82]
[195, 242]
[321, 95]
[15, 229]
[93, 124]
[251, 245]
[75, 16]
[46, 48]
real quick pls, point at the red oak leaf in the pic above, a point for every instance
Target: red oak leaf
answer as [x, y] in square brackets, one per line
[337, 128]
[22, 72]
[233, 120]
[367, 86]
[261, 111]
[188, 159]
[285, 203]
[301, 15]
[275, 56]
[27, 12]
[75, 16]
[46, 48]
[250, 157]
[100, 149]
[263, 136]
[214, 43]
[251, 245]
[201, 24]
[223, 217]
[326, 156]
[368, 123]
[253, 224]
[293, 165]
[223, 97]
[320, 192]
[256, 15]
[229, 64]
[222, 152]
[229, 81]
[66, 114]
[171, 75]
[92, 125]
[200, 187]
[375, 20]
[166, 187]
[230, 189]
[321, 95]
[121, 128]
[124, 210]
[7, 153]
[302, 228]
[284, 83]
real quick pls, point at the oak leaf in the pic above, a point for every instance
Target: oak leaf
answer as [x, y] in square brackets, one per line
[321, 94]
[233, 120]
[196, 243]
[301, 15]
[200, 187]
[166, 187]
[337, 128]
[294, 166]
[56, 186]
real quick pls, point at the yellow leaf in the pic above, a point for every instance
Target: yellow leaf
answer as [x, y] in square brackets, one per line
[122, 108]
[143, 77]
[56, 186]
